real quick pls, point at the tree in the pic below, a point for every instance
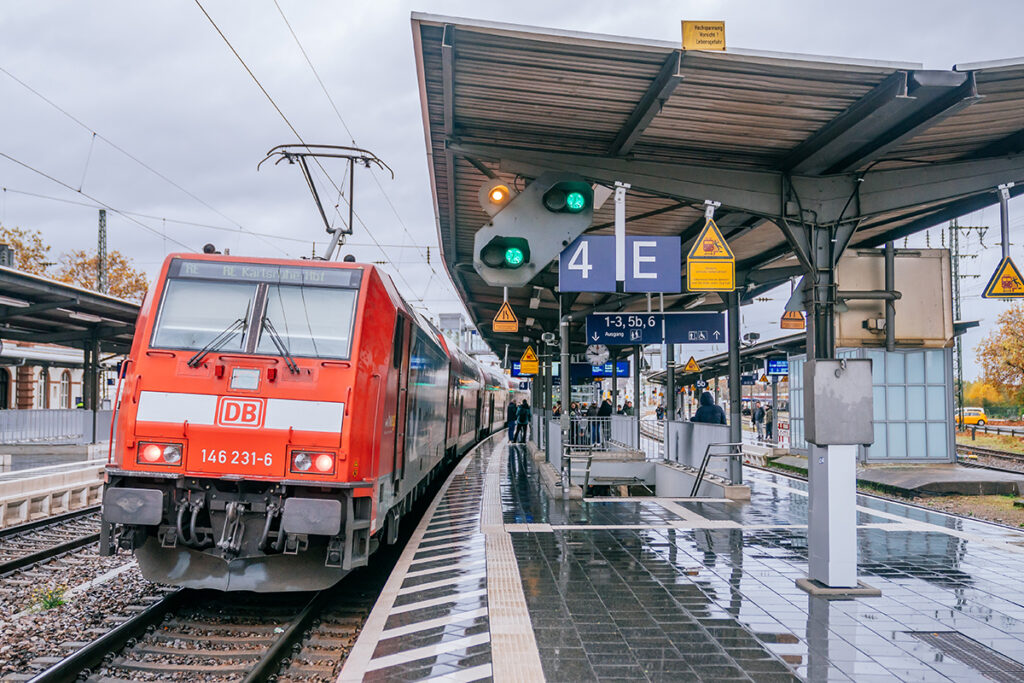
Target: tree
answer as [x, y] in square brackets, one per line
[982, 393]
[80, 267]
[31, 254]
[1001, 354]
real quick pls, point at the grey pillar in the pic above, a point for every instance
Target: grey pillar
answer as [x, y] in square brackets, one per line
[735, 395]
[564, 388]
[670, 381]
[636, 391]
[775, 409]
[614, 355]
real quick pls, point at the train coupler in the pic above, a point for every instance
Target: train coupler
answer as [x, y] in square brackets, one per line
[296, 543]
[335, 551]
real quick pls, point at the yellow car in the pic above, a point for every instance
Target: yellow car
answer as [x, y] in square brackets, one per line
[975, 416]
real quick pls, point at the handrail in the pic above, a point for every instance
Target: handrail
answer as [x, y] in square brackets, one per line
[707, 456]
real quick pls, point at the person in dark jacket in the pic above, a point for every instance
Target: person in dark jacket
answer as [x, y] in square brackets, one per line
[510, 420]
[522, 421]
[708, 412]
[605, 423]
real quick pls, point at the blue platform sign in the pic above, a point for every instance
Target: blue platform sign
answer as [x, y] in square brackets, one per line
[777, 366]
[621, 369]
[653, 264]
[619, 329]
[748, 380]
[588, 265]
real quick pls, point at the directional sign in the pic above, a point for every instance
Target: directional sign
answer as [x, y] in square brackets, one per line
[505, 320]
[691, 366]
[748, 380]
[710, 265]
[588, 265]
[528, 363]
[619, 329]
[792, 320]
[777, 366]
[700, 384]
[652, 264]
[1006, 282]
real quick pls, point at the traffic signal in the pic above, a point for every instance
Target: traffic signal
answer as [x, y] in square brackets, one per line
[529, 229]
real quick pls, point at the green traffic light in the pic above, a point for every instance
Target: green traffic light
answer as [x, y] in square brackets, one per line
[513, 257]
[575, 201]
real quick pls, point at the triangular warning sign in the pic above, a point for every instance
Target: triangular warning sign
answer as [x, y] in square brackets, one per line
[710, 245]
[792, 320]
[764, 378]
[1006, 282]
[529, 355]
[691, 366]
[505, 320]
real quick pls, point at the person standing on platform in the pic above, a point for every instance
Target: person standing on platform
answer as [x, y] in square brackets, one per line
[557, 410]
[523, 421]
[605, 413]
[769, 420]
[510, 420]
[757, 417]
[628, 407]
[708, 412]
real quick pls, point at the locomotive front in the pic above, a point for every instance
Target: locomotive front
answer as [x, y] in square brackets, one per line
[235, 464]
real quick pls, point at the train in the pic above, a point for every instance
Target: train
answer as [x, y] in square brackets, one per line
[277, 419]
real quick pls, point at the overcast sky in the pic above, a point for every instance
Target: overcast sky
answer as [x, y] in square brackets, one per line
[155, 79]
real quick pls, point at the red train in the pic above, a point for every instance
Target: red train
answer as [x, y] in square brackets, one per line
[278, 418]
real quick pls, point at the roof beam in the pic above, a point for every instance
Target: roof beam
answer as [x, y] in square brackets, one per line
[650, 104]
[448, 102]
[1011, 144]
[898, 109]
[8, 312]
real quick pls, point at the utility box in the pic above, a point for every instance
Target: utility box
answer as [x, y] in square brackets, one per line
[838, 406]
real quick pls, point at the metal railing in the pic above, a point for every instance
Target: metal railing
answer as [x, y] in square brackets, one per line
[734, 450]
[991, 429]
[45, 426]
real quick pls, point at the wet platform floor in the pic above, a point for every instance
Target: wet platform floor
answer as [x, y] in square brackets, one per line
[684, 589]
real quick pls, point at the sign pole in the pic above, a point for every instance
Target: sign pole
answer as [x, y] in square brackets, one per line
[1004, 217]
[620, 230]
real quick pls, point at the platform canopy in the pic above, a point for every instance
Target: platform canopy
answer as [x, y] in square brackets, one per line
[877, 150]
[44, 311]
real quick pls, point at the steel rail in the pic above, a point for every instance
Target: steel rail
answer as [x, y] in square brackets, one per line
[47, 553]
[46, 521]
[269, 664]
[69, 668]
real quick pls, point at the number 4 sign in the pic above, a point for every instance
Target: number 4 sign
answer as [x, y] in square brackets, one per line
[652, 264]
[588, 265]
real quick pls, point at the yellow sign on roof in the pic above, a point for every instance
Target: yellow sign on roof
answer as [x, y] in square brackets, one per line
[1006, 282]
[703, 35]
[711, 245]
[529, 355]
[764, 378]
[691, 365]
[792, 320]
[505, 320]
[528, 364]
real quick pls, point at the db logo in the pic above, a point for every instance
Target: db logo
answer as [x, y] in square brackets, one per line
[240, 412]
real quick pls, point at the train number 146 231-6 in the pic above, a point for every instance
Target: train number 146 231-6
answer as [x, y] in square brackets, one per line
[226, 457]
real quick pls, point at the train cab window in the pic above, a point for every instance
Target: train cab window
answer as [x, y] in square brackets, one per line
[396, 351]
[182, 324]
[312, 321]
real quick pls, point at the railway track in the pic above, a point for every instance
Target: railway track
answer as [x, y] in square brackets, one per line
[195, 635]
[29, 544]
[979, 456]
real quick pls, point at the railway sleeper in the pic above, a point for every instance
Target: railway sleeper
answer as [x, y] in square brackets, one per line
[177, 667]
[155, 650]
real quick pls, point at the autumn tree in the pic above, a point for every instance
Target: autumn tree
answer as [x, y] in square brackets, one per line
[982, 393]
[80, 268]
[1001, 354]
[31, 253]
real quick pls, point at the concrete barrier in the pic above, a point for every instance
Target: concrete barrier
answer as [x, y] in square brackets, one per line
[47, 491]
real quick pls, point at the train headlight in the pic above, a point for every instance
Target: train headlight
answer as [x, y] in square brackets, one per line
[314, 462]
[159, 454]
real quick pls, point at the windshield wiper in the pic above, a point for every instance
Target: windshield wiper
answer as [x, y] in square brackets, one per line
[217, 342]
[282, 348]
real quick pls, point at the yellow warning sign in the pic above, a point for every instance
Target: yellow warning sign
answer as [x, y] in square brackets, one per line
[528, 362]
[1006, 282]
[710, 276]
[691, 366]
[792, 320]
[505, 320]
[711, 245]
[764, 378]
[703, 35]
[710, 265]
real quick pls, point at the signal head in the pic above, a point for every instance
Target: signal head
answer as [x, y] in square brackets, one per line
[569, 196]
[494, 195]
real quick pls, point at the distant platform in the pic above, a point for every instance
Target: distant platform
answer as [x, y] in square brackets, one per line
[934, 479]
[503, 581]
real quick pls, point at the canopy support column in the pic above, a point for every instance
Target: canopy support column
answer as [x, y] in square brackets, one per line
[735, 390]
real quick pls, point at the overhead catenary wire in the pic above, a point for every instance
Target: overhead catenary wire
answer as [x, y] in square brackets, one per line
[106, 206]
[341, 119]
[291, 127]
[123, 151]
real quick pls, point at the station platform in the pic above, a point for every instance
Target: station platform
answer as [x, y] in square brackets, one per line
[502, 581]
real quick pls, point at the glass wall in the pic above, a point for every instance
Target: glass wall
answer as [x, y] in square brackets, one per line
[913, 404]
